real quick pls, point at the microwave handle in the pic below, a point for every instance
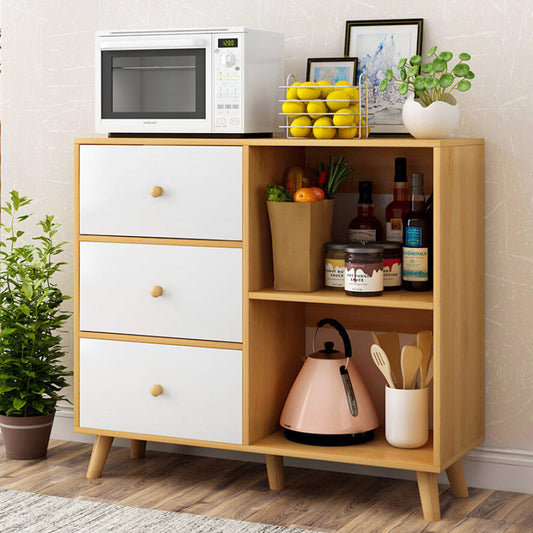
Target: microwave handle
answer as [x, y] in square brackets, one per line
[134, 45]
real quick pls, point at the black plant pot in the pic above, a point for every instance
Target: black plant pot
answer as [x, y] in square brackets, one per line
[26, 437]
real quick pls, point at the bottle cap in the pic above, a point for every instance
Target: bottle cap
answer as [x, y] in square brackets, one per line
[417, 183]
[365, 192]
[400, 169]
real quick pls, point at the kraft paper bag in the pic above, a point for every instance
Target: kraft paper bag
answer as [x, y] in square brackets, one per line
[299, 233]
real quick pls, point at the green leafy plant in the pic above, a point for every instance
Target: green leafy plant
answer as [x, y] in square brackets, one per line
[330, 179]
[278, 193]
[431, 81]
[31, 372]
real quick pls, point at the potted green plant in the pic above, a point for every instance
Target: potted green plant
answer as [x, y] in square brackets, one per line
[431, 110]
[31, 372]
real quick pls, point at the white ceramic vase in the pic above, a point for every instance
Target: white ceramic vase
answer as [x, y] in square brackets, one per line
[436, 121]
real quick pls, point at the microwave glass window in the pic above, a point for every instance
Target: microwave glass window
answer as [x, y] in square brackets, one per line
[153, 84]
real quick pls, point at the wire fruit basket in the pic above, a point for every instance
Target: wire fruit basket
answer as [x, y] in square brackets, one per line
[326, 111]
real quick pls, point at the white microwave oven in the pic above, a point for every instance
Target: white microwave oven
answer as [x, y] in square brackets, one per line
[204, 81]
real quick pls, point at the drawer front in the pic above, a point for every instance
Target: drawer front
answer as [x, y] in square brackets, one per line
[201, 191]
[201, 398]
[201, 298]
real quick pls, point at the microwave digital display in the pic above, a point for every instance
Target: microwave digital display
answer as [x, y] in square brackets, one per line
[228, 43]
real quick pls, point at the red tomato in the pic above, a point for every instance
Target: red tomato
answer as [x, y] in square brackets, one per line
[304, 195]
[319, 193]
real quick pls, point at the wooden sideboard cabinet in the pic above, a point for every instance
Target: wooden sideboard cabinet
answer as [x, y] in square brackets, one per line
[180, 337]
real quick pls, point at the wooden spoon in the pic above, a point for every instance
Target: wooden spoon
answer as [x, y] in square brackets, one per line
[390, 342]
[429, 375]
[423, 341]
[411, 358]
[382, 362]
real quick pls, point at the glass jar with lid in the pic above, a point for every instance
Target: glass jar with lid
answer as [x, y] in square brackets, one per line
[334, 265]
[363, 274]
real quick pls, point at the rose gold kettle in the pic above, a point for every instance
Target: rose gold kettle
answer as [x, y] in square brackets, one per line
[328, 404]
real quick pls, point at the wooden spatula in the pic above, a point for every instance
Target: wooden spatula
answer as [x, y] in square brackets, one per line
[411, 358]
[390, 342]
[423, 341]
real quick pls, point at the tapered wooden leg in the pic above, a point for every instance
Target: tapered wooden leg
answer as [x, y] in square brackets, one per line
[429, 495]
[275, 472]
[456, 477]
[137, 449]
[99, 455]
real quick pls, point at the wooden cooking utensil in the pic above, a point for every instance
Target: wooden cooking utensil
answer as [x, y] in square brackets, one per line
[390, 342]
[411, 358]
[429, 375]
[382, 362]
[423, 341]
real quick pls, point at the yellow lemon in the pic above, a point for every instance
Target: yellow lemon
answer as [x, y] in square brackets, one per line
[316, 108]
[292, 91]
[290, 108]
[301, 126]
[343, 117]
[349, 89]
[337, 100]
[308, 91]
[326, 88]
[323, 128]
[365, 130]
[346, 133]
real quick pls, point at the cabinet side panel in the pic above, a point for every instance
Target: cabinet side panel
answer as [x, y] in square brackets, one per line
[459, 301]
[276, 350]
[76, 292]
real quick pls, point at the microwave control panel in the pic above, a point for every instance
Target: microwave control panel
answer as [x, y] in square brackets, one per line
[227, 66]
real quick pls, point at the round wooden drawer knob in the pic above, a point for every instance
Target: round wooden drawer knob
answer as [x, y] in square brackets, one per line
[156, 390]
[156, 291]
[156, 191]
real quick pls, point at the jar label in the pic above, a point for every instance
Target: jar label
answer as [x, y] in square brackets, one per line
[334, 273]
[395, 230]
[361, 236]
[415, 264]
[413, 236]
[363, 278]
[392, 272]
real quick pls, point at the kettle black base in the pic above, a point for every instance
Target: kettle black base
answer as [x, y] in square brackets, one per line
[317, 439]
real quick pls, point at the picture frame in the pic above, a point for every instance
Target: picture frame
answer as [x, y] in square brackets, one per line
[379, 45]
[332, 69]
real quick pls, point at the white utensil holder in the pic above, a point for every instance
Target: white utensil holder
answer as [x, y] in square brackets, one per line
[406, 417]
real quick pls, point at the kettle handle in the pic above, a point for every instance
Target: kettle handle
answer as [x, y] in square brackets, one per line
[342, 332]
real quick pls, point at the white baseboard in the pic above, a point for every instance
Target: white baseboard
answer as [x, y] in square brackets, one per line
[487, 468]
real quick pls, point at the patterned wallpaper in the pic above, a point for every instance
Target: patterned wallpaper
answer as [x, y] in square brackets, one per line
[47, 100]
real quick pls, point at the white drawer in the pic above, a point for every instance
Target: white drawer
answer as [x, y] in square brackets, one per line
[201, 199]
[201, 299]
[201, 398]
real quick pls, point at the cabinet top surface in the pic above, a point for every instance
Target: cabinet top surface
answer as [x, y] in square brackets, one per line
[377, 142]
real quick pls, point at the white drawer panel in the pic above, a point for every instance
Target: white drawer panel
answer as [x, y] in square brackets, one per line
[202, 290]
[202, 191]
[201, 398]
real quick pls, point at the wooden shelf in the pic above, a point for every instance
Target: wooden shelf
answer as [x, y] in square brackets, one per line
[393, 299]
[377, 452]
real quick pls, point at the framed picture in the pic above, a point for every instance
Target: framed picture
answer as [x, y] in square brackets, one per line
[332, 69]
[379, 45]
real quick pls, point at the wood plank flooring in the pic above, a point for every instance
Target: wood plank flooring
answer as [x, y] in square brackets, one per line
[325, 501]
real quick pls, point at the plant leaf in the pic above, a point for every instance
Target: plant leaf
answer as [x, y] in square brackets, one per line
[432, 50]
[464, 85]
[470, 75]
[419, 83]
[383, 85]
[19, 403]
[388, 75]
[403, 74]
[463, 56]
[403, 88]
[446, 80]
[413, 71]
[461, 70]
[402, 62]
[439, 65]
[415, 60]
[427, 68]
[431, 83]
[446, 56]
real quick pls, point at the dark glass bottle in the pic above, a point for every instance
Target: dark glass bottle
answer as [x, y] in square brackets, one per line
[417, 240]
[399, 207]
[365, 227]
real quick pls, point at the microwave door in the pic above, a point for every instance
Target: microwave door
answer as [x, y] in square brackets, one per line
[155, 89]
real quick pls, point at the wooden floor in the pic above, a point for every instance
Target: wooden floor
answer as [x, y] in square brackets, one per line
[324, 501]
